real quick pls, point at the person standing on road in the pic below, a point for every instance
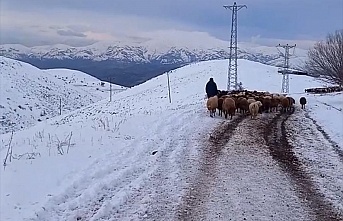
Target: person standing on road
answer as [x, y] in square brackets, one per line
[211, 88]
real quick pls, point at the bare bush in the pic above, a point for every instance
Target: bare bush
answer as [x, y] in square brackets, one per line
[117, 125]
[106, 124]
[29, 156]
[326, 59]
[61, 144]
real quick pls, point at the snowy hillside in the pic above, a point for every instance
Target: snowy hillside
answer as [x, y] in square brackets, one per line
[30, 95]
[137, 157]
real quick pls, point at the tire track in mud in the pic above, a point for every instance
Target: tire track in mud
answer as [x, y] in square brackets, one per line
[327, 137]
[193, 200]
[275, 135]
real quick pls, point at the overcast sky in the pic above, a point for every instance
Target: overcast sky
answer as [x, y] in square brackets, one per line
[82, 22]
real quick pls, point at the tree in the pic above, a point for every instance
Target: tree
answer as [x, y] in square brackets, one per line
[325, 59]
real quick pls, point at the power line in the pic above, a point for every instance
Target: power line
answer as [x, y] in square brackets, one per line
[232, 70]
[285, 69]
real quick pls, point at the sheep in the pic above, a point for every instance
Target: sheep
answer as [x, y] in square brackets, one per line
[226, 96]
[285, 104]
[324, 90]
[238, 103]
[267, 102]
[274, 104]
[275, 95]
[220, 106]
[291, 103]
[229, 107]
[221, 93]
[251, 100]
[254, 108]
[212, 104]
[243, 105]
[302, 102]
[260, 99]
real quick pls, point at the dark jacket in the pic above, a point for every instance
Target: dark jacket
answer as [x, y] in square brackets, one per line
[211, 88]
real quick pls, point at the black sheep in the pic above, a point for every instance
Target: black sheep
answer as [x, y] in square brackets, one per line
[302, 102]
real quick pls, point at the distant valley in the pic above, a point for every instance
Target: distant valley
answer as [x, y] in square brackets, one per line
[130, 65]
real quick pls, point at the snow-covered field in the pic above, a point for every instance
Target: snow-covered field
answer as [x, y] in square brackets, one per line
[30, 95]
[327, 110]
[128, 159]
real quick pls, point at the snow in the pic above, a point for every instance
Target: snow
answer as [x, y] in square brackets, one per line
[327, 110]
[322, 143]
[29, 94]
[108, 170]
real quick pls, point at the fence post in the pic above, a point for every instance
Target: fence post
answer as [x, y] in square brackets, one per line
[60, 106]
[110, 79]
[169, 88]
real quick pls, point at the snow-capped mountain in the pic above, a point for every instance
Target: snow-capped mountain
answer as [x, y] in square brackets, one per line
[144, 53]
[30, 95]
[133, 63]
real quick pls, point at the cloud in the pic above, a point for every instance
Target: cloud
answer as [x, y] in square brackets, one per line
[88, 25]
[300, 43]
[71, 33]
[90, 20]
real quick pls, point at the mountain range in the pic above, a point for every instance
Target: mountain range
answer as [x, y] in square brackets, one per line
[130, 64]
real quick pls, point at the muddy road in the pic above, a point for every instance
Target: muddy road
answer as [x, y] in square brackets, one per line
[250, 171]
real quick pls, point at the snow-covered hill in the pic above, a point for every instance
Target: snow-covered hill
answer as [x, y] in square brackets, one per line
[132, 158]
[30, 95]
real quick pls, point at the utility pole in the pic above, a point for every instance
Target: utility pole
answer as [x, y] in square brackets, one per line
[169, 88]
[285, 70]
[110, 79]
[60, 106]
[232, 72]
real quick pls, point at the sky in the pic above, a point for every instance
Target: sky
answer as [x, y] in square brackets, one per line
[83, 22]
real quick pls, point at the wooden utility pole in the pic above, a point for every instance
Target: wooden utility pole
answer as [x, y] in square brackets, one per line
[169, 88]
[110, 79]
[60, 106]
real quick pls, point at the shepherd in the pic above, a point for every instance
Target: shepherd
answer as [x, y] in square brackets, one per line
[211, 88]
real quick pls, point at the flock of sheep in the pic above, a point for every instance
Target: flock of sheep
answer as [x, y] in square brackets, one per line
[320, 90]
[252, 102]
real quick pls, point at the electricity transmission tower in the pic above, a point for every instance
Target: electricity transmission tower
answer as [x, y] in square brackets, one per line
[285, 70]
[232, 72]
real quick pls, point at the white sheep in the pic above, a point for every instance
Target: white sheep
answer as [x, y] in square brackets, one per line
[253, 108]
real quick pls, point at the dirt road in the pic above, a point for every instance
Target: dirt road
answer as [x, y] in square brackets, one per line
[250, 171]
